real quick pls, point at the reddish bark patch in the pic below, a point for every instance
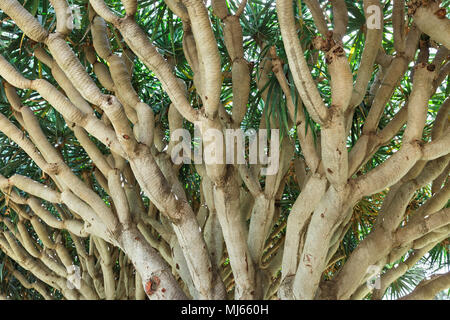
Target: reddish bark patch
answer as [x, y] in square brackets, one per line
[307, 260]
[152, 285]
[441, 13]
[148, 288]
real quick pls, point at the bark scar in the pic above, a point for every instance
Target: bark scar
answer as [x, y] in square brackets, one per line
[152, 285]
